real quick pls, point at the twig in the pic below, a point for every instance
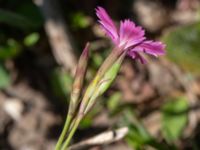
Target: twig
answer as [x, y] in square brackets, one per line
[103, 138]
[58, 34]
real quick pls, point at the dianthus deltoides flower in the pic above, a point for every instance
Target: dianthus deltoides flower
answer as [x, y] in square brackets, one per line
[130, 36]
[129, 40]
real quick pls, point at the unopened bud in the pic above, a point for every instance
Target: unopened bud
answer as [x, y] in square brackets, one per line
[107, 64]
[105, 82]
[79, 78]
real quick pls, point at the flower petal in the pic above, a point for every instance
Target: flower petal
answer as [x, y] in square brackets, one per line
[151, 47]
[130, 34]
[136, 55]
[107, 23]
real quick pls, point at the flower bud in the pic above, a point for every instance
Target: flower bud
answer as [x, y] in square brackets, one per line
[105, 82]
[79, 78]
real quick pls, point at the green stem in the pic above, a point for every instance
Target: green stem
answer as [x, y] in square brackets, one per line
[64, 131]
[71, 133]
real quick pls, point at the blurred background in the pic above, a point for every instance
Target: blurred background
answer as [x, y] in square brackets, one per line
[40, 42]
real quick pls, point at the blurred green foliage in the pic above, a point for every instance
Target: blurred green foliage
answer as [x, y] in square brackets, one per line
[30, 11]
[97, 59]
[183, 46]
[14, 19]
[174, 118]
[4, 77]
[24, 15]
[138, 137]
[114, 101]
[18, 21]
[31, 39]
[79, 20]
[61, 83]
[10, 49]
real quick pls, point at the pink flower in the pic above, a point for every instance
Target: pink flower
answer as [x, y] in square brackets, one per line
[129, 35]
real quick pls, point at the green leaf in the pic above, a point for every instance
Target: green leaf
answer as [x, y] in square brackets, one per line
[31, 39]
[183, 47]
[79, 20]
[10, 50]
[29, 10]
[174, 118]
[4, 77]
[14, 19]
[138, 136]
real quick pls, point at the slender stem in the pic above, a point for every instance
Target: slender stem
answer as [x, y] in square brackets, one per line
[64, 131]
[71, 133]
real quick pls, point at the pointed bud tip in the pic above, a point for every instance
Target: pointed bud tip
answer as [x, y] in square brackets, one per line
[86, 50]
